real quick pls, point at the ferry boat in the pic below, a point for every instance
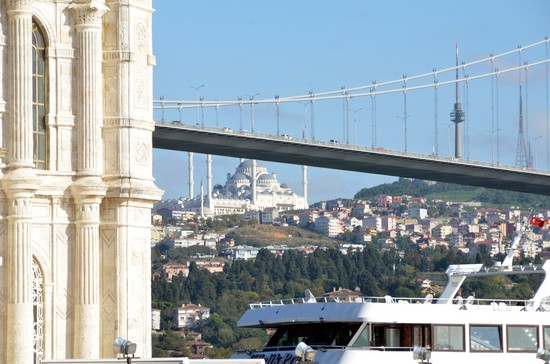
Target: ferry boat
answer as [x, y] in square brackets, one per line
[448, 329]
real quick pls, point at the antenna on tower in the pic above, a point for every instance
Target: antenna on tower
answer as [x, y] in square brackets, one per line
[457, 115]
[521, 151]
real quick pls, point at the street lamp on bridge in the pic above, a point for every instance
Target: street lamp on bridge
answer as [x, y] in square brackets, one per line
[252, 108]
[197, 88]
[355, 124]
[404, 119]
[492, 143]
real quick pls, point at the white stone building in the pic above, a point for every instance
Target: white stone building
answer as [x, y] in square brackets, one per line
[76, 177]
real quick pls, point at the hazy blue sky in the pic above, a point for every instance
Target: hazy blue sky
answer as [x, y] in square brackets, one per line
[287, 48]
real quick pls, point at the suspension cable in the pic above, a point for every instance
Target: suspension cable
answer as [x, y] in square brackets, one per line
[344, 93]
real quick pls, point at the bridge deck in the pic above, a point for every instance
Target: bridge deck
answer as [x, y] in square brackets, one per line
[242, 144]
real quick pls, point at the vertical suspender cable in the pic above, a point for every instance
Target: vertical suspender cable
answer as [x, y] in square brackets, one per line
[405, 114]
[526, 120]
[492, 111]
[217, 115]
[466, 113]
[343, 114]
[373, 112]
[312, 116]
[436, 148]
[277, 105]
[547, 121]
[241, 113]
[202, 110]
[346, 115]
[497, 117]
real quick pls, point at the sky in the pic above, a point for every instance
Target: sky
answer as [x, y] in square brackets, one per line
[256, 48]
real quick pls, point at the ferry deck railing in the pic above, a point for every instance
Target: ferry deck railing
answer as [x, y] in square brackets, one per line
[502, 303]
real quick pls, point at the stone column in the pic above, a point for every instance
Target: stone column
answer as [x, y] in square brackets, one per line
[19, 74]
[89, 189]
[89, 85]
[19, 185]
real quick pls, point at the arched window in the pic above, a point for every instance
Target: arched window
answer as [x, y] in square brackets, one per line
[38, 311]
[39, 98]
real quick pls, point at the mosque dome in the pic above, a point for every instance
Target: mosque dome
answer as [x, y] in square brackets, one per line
[267, 178]
[239, 177]
[246, 167]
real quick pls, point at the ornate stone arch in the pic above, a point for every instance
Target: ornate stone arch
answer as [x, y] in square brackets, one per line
[38, 311]
[46, 23]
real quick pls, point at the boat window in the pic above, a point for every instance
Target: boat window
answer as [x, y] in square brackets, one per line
[448, 337]
[485, 338]
[546, 330]
[363, 340]
[318, 334]
[522, 338]
[399, 337]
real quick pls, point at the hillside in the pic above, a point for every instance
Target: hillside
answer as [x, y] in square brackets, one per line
[456, 193]
[264, 235]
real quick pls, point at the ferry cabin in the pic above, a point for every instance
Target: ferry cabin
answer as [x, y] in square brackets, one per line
[366, 329]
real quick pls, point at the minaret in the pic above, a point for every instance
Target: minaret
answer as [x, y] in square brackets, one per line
[521, 151]
[457, 115]
[191, 168]
[304, 182]
[209, 182]
[253, 183]
[202, 199]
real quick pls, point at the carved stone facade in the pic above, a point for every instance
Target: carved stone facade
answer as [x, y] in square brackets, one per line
[76, 178]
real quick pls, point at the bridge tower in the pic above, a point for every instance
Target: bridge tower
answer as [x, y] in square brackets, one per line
[457, 115]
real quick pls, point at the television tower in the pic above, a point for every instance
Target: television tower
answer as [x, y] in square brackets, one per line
[521, 152]
[457, 115]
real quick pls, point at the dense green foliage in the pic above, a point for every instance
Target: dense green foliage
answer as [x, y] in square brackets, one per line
[375, 273]
[461, 193]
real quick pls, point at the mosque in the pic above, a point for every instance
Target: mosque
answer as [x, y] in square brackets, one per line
[251, 187]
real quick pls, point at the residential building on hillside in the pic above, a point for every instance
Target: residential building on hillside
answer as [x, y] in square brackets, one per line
[384, 200]
[374, 222]
[418, 212]
[389, 222]
[189, 316]
[329, 225]
[171, 270]
[241, 252]
[360, 210]
[441, 231]
[155, 319]
[307, 217]
[269, 215]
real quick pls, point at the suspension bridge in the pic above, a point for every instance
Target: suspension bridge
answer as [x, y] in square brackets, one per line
[496, 108]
